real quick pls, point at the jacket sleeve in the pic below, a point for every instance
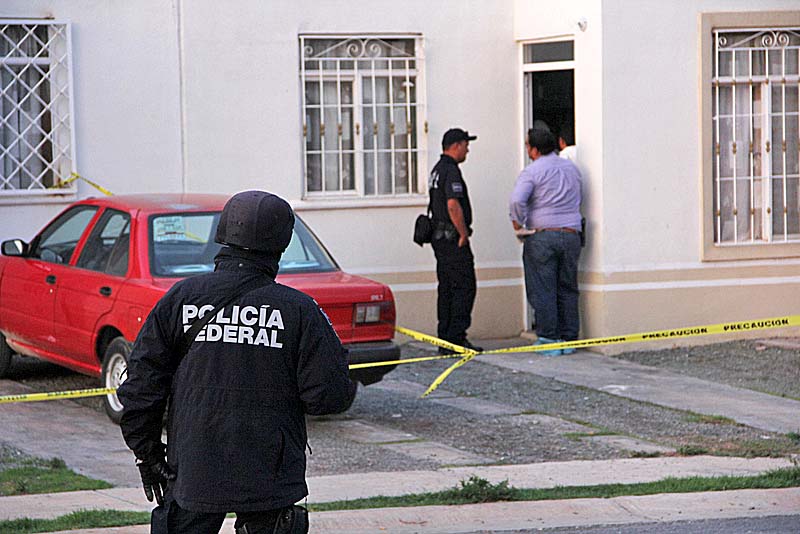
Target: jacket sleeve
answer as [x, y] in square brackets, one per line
[145, 392]
[322, 374]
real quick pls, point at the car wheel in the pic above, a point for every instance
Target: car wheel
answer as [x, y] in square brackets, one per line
[115, 367]
[5, 356]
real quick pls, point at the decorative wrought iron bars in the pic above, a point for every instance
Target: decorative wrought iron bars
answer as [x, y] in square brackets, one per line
[362, 105]
[36, 110]
[756, 135]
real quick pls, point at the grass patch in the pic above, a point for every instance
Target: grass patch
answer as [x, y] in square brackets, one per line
[577, 436]
[34, 475]
[691, 450]
[645, 454]
[400, 441]
[710, 419]
[794, 436]
[76, 520]
[470, 491]
[761, 448]
[477, 490]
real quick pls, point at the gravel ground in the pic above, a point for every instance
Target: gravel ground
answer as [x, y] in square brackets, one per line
[767, 365]
[521, 438]
[601, 410]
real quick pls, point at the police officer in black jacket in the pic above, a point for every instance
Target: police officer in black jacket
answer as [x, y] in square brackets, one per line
[236, 431]
[451, 212]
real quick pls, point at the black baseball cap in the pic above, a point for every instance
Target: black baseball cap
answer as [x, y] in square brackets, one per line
[456, 135]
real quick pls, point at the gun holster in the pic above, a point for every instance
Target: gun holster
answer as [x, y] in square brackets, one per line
[444, 230]
[291, 520]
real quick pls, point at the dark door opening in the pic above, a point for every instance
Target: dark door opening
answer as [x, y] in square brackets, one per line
[551, 100]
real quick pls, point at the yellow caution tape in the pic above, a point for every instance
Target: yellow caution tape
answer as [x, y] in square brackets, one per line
[55, 395]
[464, 355]
[75, 176]
[692, 331]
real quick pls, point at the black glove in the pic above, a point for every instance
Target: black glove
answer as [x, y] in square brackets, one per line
[155, 475]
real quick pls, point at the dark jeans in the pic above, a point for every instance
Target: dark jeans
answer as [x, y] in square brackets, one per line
[550, 260]
[455, 271]
[170, 518]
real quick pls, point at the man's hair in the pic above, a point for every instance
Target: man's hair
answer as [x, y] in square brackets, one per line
[542, 140]
[567, 133]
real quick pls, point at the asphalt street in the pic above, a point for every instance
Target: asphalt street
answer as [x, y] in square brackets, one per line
[760, 525]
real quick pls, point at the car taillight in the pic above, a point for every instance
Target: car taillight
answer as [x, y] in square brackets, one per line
[367, 313]
[374, 313]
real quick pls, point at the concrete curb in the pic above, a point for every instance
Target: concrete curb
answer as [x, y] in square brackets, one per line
[361, 485]
[565, 513]
[507, 516]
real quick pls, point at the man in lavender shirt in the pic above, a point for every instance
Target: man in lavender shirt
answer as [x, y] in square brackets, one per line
[545, 212]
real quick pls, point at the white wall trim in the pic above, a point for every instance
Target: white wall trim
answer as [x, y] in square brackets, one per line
[428, 268]
[686, 284]
[431, 286]
[358, 203]
[612, 269]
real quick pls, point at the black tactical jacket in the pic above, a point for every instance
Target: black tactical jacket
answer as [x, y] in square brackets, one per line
[237, 400]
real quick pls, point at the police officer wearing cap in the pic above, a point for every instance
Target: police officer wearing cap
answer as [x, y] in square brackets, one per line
[451, 212]
[239, 392]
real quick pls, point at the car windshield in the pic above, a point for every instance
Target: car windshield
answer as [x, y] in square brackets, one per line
[182, 244]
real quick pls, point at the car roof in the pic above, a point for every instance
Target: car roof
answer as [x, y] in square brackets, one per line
[161, 202]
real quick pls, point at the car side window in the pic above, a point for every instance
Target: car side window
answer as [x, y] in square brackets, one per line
[106, 249]
[58, 241]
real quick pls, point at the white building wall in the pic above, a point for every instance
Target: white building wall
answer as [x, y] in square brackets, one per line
[244, 127]
[233, 122]
[203, 96]
[126, 101]
[653, 275]
[651, 135]
[582, 21]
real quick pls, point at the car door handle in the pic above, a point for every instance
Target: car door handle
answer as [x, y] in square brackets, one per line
[105, 291]
[50, 279]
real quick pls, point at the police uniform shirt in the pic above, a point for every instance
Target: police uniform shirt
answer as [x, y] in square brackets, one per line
[446, 182]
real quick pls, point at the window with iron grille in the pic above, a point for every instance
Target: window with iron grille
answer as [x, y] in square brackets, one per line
[756, 136]
[36, 135]
[363, 115]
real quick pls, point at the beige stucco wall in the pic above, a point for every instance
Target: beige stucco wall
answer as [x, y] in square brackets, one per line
[493, 306]
[653, 274]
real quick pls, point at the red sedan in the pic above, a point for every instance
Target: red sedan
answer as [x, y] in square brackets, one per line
[78, 294]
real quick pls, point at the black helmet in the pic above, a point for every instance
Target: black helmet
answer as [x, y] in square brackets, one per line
[256, 220]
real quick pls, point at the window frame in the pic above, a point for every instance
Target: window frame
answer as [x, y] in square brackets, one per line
[358, 196]
[65, 118]
[97, 234]
[56, 224]
[708, 23]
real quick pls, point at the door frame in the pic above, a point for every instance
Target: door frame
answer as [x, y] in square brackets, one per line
[525, 116]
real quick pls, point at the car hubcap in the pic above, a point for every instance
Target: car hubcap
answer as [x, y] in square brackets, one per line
[115, 376]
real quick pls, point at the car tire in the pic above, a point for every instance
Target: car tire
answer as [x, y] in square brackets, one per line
[115, 366]
[5, 356]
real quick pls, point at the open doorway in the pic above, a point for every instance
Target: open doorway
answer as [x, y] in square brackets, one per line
[552, 99]
[549, 97]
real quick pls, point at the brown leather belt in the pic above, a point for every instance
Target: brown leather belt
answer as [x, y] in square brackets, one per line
[568, 230]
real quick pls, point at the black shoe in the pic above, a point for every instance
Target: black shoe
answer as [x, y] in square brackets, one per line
[470, 346]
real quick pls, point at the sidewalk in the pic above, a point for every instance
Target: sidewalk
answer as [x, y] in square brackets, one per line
[659, 386]
[341, 487]
[506, 516]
